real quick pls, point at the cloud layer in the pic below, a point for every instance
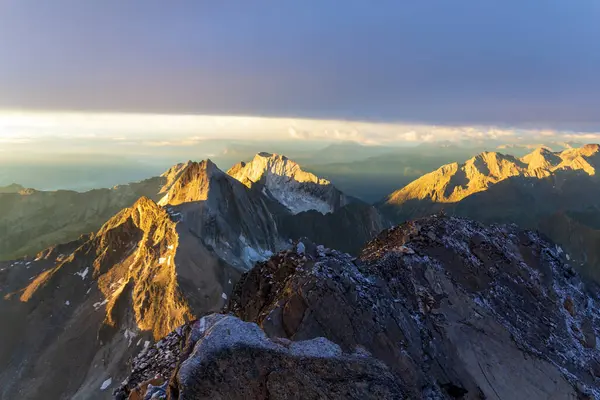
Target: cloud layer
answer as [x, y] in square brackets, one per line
[47, 131]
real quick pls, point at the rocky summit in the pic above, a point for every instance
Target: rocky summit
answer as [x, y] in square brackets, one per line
[436, 308]
[283, 180]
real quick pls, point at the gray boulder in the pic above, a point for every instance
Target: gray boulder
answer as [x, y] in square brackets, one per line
[232, 359]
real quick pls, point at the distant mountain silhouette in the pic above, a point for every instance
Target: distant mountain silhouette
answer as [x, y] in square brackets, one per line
[493, 187]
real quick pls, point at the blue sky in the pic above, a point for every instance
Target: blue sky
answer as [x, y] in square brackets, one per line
[511, 63]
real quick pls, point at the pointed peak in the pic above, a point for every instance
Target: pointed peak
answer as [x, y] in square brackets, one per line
[204, 167]
[175, 169]
[144, 202]
[285, 181]
[210, 165]
[542, 158]
[484, 156]
[590, 149]
[272, 156]
[193, 184]
[542, 151]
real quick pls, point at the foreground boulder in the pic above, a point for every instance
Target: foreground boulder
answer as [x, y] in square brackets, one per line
[453, 308]
[226, 358]
[232, 359]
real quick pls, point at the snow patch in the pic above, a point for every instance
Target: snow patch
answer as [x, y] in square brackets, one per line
[83, 273]
[202, 327]
[251, 255]
[285, 182]
[298, 201]
[162, 260]
[106, 384]
[224, 296]
[67, 303]
[129, 335]
[100, 304]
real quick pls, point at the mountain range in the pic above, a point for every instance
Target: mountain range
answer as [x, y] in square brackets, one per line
[554, 192]
[111, 272]
[31, 220]
[155, 265]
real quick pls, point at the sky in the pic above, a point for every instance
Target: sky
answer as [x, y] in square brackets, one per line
[153, 72]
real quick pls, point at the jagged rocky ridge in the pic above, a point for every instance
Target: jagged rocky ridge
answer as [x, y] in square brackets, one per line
[556, 193]
[147, 270]
[108, 295]
[453, 308]
[454, 182]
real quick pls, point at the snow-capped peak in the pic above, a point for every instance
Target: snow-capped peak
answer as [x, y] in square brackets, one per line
[286, 182]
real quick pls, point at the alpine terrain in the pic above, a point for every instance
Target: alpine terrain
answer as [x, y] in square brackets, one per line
[437, 308]
[148, 269]
[557, 193]
[31, 220]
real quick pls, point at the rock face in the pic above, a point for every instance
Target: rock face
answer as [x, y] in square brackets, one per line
[222, 357]
[346, 229]
[284, 181]
[454, 308]
[107, 295]
[236, 222]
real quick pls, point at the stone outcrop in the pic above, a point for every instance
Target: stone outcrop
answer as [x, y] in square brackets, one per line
[232, 359]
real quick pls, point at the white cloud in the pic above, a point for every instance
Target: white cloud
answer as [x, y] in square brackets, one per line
[161, 130]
